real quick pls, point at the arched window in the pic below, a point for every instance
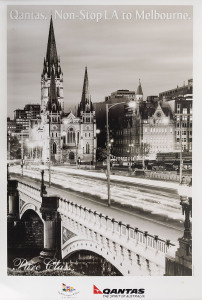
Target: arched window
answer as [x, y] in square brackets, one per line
[71, 155]
[71, 136]
[87, 148]
[54, 148]
[58, 91]
[78, 137]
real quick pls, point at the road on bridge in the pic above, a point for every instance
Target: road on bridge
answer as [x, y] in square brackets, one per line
[83, 191]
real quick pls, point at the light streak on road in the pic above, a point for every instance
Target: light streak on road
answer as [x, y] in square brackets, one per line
[149, 199]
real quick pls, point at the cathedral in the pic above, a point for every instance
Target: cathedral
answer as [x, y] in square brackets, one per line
[62, 137]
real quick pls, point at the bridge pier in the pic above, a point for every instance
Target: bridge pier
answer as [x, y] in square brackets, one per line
[51, 219]
[12, 212]
[13, 199]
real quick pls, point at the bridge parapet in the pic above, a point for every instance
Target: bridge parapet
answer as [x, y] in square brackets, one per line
[29, 197]
[113, 235]
[106, 225]
[29, 190]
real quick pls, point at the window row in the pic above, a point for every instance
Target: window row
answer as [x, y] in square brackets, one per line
[159, 129]
[184, 140]
[184, 132]
[184, 125]
[87, 119]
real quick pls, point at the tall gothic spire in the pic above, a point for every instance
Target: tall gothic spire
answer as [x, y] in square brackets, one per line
[53, 104]
[85, 98]
[139, 89]
[51, 53]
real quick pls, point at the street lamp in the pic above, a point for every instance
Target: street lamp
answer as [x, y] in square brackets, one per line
[8, 172]
[143, 164]
[130, 162]
[108, 107]
[43, 187]
[22, 153]
[132, 104]
[185, 193]
[9, 145]
[180, 118]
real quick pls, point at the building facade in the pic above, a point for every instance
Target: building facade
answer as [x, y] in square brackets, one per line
[182, 110]
[180, 101]
[183, 91]
[158, 129]
[23, 117]
[128, 131]
[11, 126]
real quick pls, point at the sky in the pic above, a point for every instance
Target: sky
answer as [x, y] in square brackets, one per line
[116, 51]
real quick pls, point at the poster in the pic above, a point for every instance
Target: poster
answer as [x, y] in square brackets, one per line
[96, 95]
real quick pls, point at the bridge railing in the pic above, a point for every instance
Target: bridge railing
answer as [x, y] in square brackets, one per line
[108, 227]
[29, 190]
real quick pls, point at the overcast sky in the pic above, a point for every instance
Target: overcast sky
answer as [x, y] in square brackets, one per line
[116, 52]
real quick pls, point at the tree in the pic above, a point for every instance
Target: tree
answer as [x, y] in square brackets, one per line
[101, 154]
[15, 147]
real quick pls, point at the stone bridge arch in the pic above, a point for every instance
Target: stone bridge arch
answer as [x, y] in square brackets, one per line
[77, 244]
[30, 206]
[30, 230]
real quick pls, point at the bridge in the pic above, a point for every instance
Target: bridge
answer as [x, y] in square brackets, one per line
[61, 228]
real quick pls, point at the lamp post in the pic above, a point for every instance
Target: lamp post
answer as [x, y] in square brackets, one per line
[22, 153]
[9, 145]
[185, 193]
[98, 131]
[143, 155]
[43, 187]
[108, 107]
[8, 172]
[132, 105]
[181, 116]
[130, 162]
[181, 263]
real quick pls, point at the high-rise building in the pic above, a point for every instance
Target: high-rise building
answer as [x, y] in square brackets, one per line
[11, 126]
[182, 111]
[23, 117]
[127, 129]
[180, 101]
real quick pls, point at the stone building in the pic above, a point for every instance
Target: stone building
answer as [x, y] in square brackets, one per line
[182, 111]
[158, 129]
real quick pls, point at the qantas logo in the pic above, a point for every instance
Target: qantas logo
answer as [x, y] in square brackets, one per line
[139, 293]
[96, 290]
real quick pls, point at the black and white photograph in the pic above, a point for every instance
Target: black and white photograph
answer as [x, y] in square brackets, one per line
[99, 147]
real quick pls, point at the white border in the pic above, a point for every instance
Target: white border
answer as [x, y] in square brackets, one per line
[161, 288]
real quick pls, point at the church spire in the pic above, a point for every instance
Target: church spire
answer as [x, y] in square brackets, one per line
[51, 68]
[53, 104]
[51, 53]
[85, 99]
[139, 89]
